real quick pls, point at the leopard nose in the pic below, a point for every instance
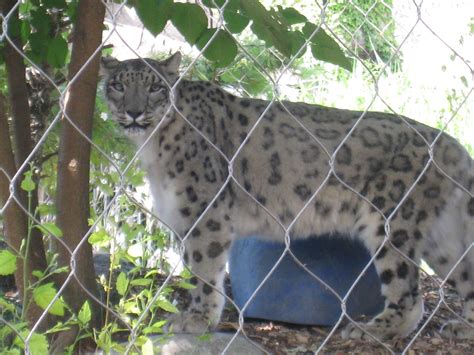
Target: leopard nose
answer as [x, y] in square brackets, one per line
[134, 114]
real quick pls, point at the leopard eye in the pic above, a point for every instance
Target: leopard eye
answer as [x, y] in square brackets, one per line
[155, 87]
[117, 86]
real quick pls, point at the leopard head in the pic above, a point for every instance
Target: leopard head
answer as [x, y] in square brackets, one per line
[137, 91]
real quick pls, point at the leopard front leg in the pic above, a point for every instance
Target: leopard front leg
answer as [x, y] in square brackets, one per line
[206, 251]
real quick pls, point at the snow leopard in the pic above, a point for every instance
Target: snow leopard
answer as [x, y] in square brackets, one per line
[223, 167]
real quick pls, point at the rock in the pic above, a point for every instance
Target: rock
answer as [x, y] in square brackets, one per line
[213, 343]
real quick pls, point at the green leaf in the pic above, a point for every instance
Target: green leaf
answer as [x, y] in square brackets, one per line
[5, 305]
[14, 27]
[154, 14]
[235, 21]
[57, 52]
[44, 294]
[100, 237]
[84, 316]
[136, 178]
[297, 41]
[58, 327]
[7, 262]
[323, 47]
[185, 285]
[135, 250]
[12, 352]
[71, 10]
[103, 340]
[140, 282]
[167, 306]
[121, 284]
[131, 307]
[37, 273]
[140, 340]
[50, 228]
[156, 327]
[190, 20]
[273, 37]
[39, 45]
[41, 21]
[291, 15]
[105, 188]
[222, 50]
[26, 7]
[147, 347]
[28, 184]
[151, 273]
[60, 270]
[47, 209]
[38, 344]
[25, 31]
[267, 27]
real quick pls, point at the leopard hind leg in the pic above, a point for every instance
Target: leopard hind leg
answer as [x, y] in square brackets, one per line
[449, 250]
[403, 307]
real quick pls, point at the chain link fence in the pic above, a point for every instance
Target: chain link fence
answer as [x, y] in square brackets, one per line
[411, 58]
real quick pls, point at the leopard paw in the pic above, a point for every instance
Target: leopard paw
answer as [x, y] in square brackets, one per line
[458, 330]
[379, 329]
[189, 322]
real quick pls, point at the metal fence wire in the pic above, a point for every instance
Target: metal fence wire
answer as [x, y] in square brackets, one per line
[411, 58]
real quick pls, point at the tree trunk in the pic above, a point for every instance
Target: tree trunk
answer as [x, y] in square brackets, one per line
[16, 220]
[74, 154]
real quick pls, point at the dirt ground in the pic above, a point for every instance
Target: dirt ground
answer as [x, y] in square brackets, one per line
[280, 338]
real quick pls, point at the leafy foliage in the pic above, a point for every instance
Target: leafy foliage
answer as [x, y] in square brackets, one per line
[367, 27]
[279, 28]
[41, 31]
[323, 47]
[218, 46]
[191, 30]
[154, 13]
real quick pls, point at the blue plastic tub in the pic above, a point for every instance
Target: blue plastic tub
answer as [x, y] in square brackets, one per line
[294, 296]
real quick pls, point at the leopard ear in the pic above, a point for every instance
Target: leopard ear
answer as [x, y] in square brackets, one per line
[173, 62]
[108, 65]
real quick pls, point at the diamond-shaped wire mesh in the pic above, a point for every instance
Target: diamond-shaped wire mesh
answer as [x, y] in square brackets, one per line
[411, 59]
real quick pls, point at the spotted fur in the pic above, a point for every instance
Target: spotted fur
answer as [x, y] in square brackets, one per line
[386, 188]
